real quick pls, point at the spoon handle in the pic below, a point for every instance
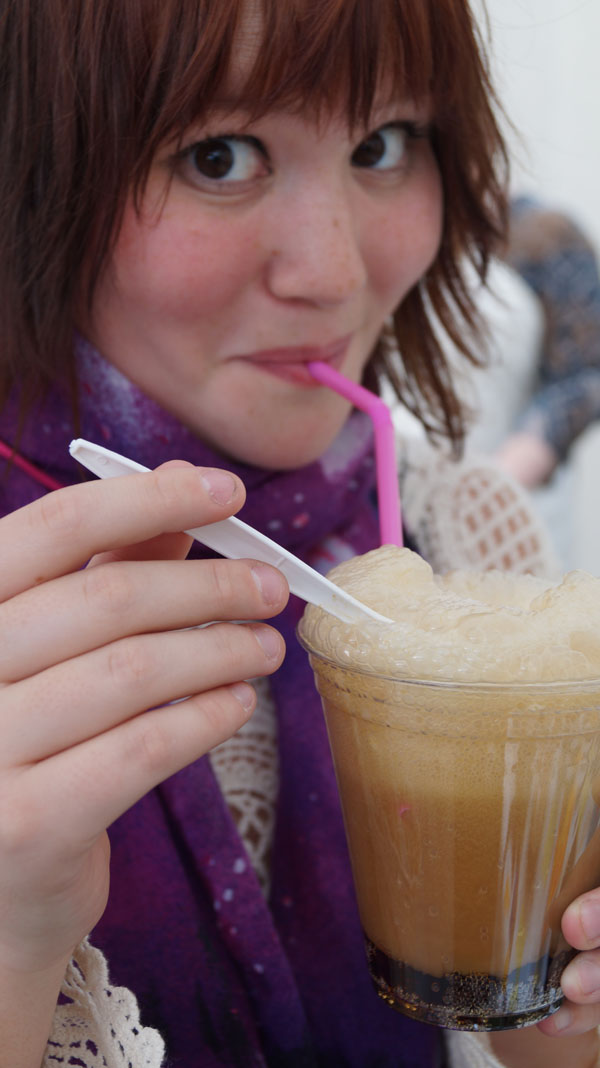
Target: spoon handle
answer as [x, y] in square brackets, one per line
[236, 540]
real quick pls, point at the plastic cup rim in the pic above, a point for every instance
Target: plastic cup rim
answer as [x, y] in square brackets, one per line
[520, 685]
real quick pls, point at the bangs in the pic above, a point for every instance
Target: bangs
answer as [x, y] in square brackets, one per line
[321, 56]
[334, 53]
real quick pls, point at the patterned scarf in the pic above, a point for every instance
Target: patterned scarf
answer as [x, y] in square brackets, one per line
[227, 977]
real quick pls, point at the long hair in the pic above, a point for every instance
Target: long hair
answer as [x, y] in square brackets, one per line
[91, 88]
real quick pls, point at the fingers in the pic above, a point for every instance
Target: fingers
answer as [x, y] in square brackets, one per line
[571, 1019]
[95, 782]
[99, 605]
[107, 685]
[63, 530]
[79, 698]
[580, 980]
[581, 921]
[162, 547]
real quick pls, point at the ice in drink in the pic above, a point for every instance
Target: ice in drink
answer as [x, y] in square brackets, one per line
[466, 741]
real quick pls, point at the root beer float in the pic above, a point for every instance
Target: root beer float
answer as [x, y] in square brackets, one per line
[466, 742]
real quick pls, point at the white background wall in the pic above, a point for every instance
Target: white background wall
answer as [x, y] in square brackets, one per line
[546, 58]
[546, 62]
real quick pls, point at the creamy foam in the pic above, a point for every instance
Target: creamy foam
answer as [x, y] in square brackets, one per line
[465, 626]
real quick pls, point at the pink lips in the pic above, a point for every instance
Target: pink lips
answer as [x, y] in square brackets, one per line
[292, 363]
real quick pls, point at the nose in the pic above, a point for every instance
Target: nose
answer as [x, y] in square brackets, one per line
[315, 251]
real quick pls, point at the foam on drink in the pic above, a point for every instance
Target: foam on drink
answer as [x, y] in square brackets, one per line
[464, 626]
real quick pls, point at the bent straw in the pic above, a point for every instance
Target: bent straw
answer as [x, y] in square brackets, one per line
[390, 516]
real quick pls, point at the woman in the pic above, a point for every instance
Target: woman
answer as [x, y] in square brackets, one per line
[210, 194]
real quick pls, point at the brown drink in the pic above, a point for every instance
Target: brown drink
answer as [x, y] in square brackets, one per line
[469, 805]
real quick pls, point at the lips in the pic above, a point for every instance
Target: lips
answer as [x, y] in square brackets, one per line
[291, 362]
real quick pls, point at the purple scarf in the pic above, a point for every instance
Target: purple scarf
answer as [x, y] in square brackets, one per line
[228, 978]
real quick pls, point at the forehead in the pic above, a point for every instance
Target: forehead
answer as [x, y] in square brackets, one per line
[247, 44]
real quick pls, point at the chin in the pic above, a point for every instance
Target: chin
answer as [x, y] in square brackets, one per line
[279, 459]
[280, 455]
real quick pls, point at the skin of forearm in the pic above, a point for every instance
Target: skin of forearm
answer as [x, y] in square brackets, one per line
[27, 1006]
[529, 1048]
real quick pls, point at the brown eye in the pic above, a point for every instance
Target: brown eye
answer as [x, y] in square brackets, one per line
[382, 150]
[227, 159]
[213, 159]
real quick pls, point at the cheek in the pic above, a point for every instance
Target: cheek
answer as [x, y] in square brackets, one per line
[408, 240]
[181, 270]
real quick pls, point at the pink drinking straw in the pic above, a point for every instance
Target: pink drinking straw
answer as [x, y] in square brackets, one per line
[390, 516]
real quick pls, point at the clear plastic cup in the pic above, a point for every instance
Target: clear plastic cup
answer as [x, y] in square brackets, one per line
[471, 816]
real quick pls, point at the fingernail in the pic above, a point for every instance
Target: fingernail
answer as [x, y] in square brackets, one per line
[589, 917]
[219, 484]
[562, 1019]
[269, 582]
[245, 694]
[270, 641]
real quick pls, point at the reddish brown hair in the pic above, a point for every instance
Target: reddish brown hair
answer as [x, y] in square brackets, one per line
[91, 88]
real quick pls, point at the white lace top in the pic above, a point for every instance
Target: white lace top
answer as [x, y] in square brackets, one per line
[461, 515]
[247, 772]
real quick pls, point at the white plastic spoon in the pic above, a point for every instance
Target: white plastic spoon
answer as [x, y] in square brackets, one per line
[237, 540]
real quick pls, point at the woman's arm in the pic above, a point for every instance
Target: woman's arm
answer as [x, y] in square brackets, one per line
[27, 1005]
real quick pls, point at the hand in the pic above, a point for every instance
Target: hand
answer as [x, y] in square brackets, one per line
[528, 458]
[568, 1039]
[90, 657]
[581, 978]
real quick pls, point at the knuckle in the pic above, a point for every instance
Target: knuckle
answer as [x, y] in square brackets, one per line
[237, 648]
[232, 643]
[233, 714]
[224, 580]
[61, 512]
[108, 589]
[172, 487]
[152, 748]
[222, 714]
[129, 664]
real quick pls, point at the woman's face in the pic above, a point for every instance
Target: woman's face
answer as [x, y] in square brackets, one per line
[261, 246]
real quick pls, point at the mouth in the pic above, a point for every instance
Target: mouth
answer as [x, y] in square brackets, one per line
[291, 363]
